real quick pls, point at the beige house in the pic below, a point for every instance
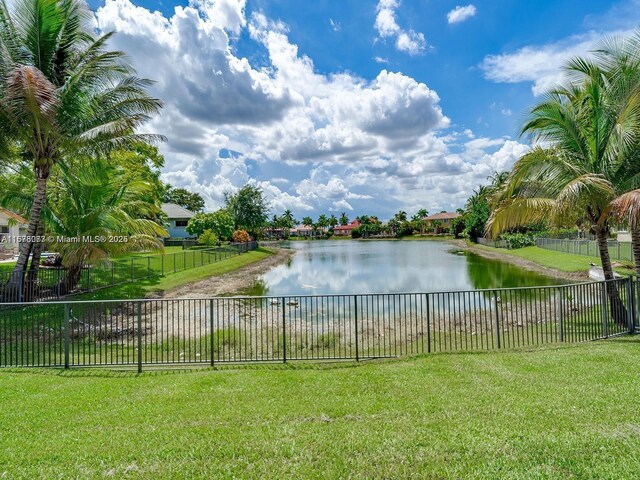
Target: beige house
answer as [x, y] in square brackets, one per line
[444, 219]
[12, 226]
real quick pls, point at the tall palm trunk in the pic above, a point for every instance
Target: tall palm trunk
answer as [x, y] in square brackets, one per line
[31, 280]
[617, 308]
[15, 287]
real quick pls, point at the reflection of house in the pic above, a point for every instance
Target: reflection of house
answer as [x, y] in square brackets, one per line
[345, 230]
[12, 225]
[442, 219]
[178, 219]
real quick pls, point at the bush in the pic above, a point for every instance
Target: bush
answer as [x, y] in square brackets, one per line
[519, 240]
[208, 238]
[241, 236]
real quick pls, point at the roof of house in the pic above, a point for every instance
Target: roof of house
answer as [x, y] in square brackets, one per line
[351, 226]
[443, 216]
[172, 210]
[15, 216]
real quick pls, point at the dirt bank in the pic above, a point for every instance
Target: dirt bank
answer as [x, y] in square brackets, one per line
[521, 262]
[232, 282]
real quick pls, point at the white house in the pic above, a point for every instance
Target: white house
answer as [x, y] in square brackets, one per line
[12, 226]
[178, 219]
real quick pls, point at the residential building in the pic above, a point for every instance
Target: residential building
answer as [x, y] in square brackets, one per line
[12, 226]
[178, 219]
[445, 219]
[345, 230]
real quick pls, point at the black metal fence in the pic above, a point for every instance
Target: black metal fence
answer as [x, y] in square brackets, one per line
[54, 283]
[617, 250]
[326, 327]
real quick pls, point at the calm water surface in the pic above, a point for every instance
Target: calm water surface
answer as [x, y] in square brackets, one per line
[343, 266]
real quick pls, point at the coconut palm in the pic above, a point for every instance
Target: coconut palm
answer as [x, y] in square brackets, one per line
[93, 211]
[62, 93]
[344, 219]
[591, 128]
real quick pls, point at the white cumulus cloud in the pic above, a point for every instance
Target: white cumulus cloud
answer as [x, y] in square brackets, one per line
[386, 25]
[460, 14]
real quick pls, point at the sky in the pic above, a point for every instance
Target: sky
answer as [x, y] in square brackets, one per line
[356, 106]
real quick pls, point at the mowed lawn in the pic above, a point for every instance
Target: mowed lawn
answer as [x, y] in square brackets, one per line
[566, 412]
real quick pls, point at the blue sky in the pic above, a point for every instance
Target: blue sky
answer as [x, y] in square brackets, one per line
[358, 106]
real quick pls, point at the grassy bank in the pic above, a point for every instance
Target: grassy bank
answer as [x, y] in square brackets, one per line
[565, 262]
[557, 413]
[141, 288]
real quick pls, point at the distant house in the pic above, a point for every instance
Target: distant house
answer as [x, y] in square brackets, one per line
[12, 225]
[178, 219]
[445, 219]
[302, 231]
[345, 230]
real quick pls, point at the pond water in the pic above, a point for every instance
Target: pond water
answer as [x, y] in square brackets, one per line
[344, 266]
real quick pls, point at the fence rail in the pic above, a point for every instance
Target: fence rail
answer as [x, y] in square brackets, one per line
[621, 251]
[55, 283]
[493, 243]
[222, 330]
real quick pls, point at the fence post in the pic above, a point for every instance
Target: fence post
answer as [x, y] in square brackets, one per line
[184, 260]
[629, 305]
[603, 300]
[560, 315]
[58, 283]
[497, 305]
[175, 260]
[284, 332]
[355, 305]
[428, 325]
[139, 337]
[66, 335]
[162, 263]
[211, 326]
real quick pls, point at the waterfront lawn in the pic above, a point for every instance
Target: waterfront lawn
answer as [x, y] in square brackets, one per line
[141, 288]
[566, 262]
[557, 413]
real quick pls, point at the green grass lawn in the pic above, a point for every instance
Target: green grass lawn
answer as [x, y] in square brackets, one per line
[556, 413]
[566, 262]
[140, 288]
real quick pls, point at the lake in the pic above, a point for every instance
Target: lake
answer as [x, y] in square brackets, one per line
[347, 266]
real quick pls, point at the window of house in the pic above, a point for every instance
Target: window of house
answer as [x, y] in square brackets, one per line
[181, 223]
[4, 229]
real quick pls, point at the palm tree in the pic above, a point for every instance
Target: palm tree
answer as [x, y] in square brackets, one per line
[344, 219]
[333, 221]
[592, 129]
[401, 216]
[94, 209]
[62, 93]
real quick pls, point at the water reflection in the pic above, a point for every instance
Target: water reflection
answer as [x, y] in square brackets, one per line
[337, 267]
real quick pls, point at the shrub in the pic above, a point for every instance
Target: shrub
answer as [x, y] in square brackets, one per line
[241, 236]
[519, 240]
[208, 238]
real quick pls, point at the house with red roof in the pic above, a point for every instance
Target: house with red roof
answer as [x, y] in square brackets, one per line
[345, 230]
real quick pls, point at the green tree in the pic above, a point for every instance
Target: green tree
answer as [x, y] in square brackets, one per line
[62, 93]
[208, 238]
[344, 219]
[183, 197]
[333, 221]
[248, 208]
[591, 129]
[307, 221]
[219, 222]
[94, 211]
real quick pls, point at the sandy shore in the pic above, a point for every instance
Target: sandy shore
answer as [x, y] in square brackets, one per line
[232, 282]
[521, 262]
